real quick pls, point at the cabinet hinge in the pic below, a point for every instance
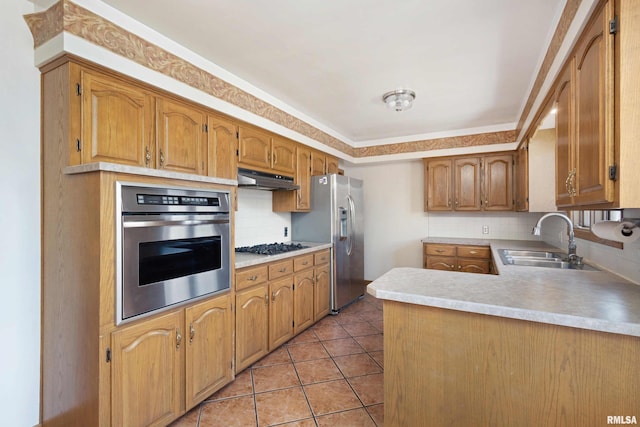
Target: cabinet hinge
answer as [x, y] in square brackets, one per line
[237, 152]
[613, 172]
[78, 89]
[237, 134]
[78, 145]
[205, 128]
[108, 355]
[293, 324]
[293, 287]
[613, 25]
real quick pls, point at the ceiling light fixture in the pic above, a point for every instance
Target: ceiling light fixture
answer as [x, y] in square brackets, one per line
[400, 99]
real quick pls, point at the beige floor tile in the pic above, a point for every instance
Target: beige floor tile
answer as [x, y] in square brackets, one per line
[282, 406]
[352, 418]
[309, 351]
[237, 411]
[371, 342]
[342, 347]
[360, 329]
[369, 388]
[377, 413]
[331, 332]
[241, 386]
[314, 371]
[355, 365]
[331, 396]
[274, 377]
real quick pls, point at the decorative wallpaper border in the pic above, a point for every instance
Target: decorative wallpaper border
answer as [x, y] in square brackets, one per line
[66, 16]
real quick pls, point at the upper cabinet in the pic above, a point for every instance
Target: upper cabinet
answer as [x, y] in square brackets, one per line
[180, 137]
[585, 118]
[222, 136]
[263, 150]
[469, 183]
[322, 163]
[297, 200]
[117, 120]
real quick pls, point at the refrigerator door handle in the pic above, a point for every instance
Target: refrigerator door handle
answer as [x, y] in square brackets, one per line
[344, 218]
[352, 215]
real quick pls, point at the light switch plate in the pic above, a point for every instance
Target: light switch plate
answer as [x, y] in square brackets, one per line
[485, 229]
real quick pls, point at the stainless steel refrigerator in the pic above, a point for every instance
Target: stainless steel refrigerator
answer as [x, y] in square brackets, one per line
[336, 217]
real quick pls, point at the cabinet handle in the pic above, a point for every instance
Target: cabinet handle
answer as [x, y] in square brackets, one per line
[473, 252]
[568, 183]
[192, 332]
[275, 158]
[449, 203]
[273, 296]
[147, 156]
[161, 158]
[305, 262]
[456, 203]
[266, 299]
[282, 270]
[269, 156]
[459, 267]
[253, 278]
[178, 338]
[440, 251]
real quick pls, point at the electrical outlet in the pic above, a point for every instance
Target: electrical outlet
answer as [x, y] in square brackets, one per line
[485, 229]
[286, 231]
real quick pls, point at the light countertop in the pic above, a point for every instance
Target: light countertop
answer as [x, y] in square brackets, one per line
[596, 300]
[244, 259]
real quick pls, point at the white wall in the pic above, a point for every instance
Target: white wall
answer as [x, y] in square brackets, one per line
[255, 223]
[19, 219]
[395, 221]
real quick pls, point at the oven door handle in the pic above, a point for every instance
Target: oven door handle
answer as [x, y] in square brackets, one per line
[130, 223]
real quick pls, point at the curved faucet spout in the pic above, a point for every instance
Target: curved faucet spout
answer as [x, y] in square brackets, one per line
[572, 241]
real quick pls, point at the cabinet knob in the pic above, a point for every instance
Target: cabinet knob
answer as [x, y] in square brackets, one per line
[178, 338]
[147, 156]
[192, 332]
[161, 158]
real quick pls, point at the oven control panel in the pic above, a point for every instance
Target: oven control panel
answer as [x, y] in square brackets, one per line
[154, 199]
[151, 199]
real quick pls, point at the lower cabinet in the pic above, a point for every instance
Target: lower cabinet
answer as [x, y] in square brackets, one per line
[277, 300]
[154, 362]
[464, 258]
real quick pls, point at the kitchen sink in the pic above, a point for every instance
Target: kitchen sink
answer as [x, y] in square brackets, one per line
[541, 259]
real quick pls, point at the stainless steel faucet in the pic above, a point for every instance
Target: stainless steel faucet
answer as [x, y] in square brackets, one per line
[572, 241]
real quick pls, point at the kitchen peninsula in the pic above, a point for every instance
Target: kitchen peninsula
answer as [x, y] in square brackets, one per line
[530, 346]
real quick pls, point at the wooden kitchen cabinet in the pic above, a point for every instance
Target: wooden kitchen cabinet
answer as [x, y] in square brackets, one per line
[209, 348]
[333, 165]
[585, 164]
[252, 325]
[280, 312]
[180, 137]
[117, 120]
[469, 183]
[303, 309]
[146, 372]
[265, 151]
[296, 200]
[222, 137]
[464, 258]
[322, 292]
[322, 164]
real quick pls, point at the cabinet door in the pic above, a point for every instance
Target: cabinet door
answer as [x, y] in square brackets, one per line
[522, 178]
[321, 297]
[318, 163]
[441, 263]
[283, 156]
[117, 121]
[594, 111]
[303, 178]
[565, 174]
[333, 166]
[280, 312]
[466, 179]
[254, 147]
[303, 308]
[498, 182]
[252, 316]
[180, 137]
[222, 161]
[438, 185]
[209, 343]
[147, 372]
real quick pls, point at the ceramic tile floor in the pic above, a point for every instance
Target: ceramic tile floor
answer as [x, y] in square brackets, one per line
[329, 375]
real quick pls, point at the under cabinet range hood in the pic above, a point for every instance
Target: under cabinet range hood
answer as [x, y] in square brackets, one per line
[264, 181]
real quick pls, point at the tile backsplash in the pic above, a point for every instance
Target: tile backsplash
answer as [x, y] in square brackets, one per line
[498, 225]
[255, 222]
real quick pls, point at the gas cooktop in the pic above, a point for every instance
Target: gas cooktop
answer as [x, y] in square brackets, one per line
[271, 248]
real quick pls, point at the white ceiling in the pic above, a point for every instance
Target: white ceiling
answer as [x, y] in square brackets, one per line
[471, 62]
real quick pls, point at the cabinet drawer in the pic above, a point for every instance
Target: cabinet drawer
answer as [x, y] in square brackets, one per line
[441, 263]
[441, 250]
[321, 257]
[474, 252]
[280, 268]
[302, 262]
[247, 277]
[474, 265]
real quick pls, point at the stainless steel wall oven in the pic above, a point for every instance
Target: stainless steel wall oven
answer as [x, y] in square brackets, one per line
[173, 246]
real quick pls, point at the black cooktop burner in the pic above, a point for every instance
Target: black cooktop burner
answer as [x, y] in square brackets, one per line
[271, 248]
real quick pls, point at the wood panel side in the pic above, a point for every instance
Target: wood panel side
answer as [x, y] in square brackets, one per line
[457, 368]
